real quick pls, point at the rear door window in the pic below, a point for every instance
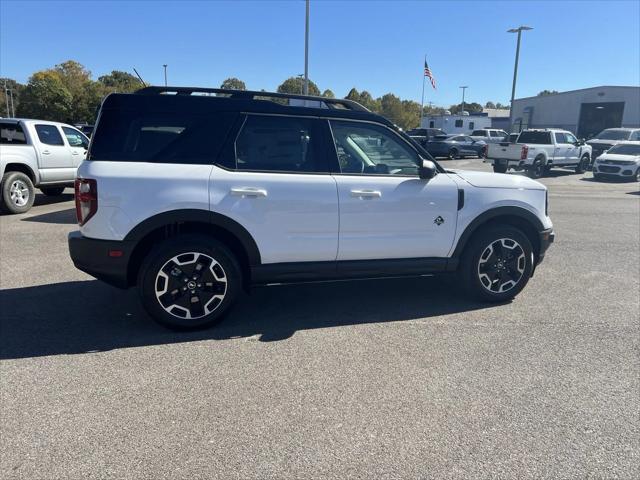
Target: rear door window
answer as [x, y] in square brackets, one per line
[536, 138]
[49, 135]
[160, 137]
[12, 134]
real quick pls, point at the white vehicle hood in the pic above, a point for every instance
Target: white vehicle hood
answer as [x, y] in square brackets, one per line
[603, 142]
[498, 180]
[615, 156]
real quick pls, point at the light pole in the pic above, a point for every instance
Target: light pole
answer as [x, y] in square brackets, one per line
[301, 77]
[463, 90]
[306, 50]
[519, 31]
[165, 74]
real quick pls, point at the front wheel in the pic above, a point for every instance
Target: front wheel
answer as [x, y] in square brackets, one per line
[16, 193]
[497, 264]
[189, 282]
[583, 164]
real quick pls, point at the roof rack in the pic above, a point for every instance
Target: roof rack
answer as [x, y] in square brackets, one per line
[335, 103]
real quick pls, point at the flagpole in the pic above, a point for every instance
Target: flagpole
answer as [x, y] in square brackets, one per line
[422, 104]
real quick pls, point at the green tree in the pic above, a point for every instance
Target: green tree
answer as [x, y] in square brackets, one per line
[544, 93]
[121, 82]
[15, 90]
[410, 115]
[391, 107]
[468, 107]
[353, 95]
[501, 106]
[233, 83]
[328, 94]
[489, 105]
[46, 97]
[296, 85]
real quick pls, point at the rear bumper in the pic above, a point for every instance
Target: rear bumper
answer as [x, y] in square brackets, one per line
[547, 237]
[106, 260]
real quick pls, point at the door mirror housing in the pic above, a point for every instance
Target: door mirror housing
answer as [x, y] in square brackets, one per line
[427, 169]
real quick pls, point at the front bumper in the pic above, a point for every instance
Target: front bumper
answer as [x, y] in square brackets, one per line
[106, 260]
[547, 237]
[623, 171]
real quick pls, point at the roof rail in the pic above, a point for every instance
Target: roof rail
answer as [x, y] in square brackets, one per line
[251, 95]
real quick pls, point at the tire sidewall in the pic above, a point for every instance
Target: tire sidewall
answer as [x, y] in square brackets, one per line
[583, 164]
[537, 169]
[5, 193]
[453, 154]
[472, 255]
[175, 246]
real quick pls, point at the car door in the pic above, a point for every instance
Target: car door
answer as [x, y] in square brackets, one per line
[78, 145]
[386, 210]
[275, 182]
[53, 154]
[467, 146]
[573, 150]
[560, 149]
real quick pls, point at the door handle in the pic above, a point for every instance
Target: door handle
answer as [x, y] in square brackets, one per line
[366, 193]
[75, 152]
[248, 192]
[46, 152]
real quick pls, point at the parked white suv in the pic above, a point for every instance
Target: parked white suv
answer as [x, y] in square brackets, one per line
[191, 198]
[37, 153]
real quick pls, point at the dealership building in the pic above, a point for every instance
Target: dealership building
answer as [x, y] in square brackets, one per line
[584, 112]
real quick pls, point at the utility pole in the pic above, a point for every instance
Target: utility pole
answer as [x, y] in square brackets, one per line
[306, 51]
[301, 77]
[463, 90]
[6, 98]
[519, 31]
[165, 74]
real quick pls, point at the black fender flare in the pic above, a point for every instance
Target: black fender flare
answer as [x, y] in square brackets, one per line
[172, 217]
[485, 217]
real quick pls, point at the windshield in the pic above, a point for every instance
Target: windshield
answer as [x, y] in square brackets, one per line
[625, 150]
[613, 135]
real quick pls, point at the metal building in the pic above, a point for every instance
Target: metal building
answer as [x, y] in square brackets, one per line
[584, 112]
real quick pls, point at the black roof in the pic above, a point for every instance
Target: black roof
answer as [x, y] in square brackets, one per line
[207, 100]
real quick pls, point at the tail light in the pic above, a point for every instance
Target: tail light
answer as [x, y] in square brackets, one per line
[86, 199]
[524, 152]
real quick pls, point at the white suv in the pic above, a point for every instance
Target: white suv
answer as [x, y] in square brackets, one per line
[194, 197]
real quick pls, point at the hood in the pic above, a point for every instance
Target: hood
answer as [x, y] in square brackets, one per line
[498, 180]
[614, 156]
[596, 141]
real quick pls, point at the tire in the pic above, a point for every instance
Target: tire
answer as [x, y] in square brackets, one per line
[500, 168]
[583, 164]
[52, 191]
[597, 176]
[497, 264]
[16, 193]
[538, 168]
[453, 154]
[174, 265]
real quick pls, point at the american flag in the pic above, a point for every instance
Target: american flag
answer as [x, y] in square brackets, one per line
[427, 73]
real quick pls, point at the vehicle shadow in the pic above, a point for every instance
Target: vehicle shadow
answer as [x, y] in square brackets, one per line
[66, 217]
[89, 316]
[42, 199]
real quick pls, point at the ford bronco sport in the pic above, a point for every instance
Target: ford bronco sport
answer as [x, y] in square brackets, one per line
[193, 194]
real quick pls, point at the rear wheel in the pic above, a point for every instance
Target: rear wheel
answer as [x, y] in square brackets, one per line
[52, 191]
[583, 164]
[497, 264]
[453, 154]
[189, 282]
[16, 193]
[538, 169]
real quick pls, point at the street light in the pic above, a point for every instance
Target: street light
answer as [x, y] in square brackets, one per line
[165, 74]
[301, 77]
[519, 31]
[463, 90]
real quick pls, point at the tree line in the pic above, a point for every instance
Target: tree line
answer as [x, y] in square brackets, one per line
[68, 93]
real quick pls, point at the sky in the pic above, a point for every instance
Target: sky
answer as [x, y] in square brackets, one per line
[377, 46]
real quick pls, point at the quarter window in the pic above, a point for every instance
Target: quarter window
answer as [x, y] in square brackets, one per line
[635, 135]
[277, 144]
[49, 134]
[372, 150]
[75, 138]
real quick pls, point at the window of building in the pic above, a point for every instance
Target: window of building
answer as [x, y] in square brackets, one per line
[472, 125]
[458, 123]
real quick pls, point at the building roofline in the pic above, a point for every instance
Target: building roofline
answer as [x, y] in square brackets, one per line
[577, 90]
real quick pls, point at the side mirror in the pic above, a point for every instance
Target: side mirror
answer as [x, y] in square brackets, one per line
[427, 169]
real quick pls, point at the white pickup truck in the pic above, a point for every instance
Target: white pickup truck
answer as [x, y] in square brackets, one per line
[37, 153]
[537, 151]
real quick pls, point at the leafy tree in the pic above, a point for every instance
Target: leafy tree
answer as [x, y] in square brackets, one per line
[121, 82]
[489, 105]
[501, 106]
[353, 95]
[328, 94]
[16, 90]
[296, 85]
[410, 115]
[232, 83]
[391, 107]
[544, 93]
[468, 107]
[46, 97]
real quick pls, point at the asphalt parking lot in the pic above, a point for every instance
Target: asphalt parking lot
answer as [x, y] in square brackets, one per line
[393, 378]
